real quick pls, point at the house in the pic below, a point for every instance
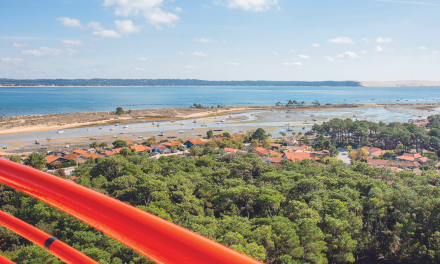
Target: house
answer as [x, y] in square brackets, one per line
[129, 142]
[374, 152]
[275, 146]
[272, 159]
[109, 153]
[383, 163]
[262, 152]
[408, 157]
[141, 148]
[75, 157]
[80, 151]
[193, 142]
[93, 155]
[290, 142]
[296, 148]
[299, 156]
[231, 150]
[171, 144]
[51, 159]
[117, 150]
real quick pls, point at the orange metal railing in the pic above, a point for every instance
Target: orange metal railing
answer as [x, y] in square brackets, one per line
[153, 237]
[4, 260]
[44, 240]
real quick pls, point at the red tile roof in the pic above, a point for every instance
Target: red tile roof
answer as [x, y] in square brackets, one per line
[299, 156]
[80, 151]
[140, 148]
[172, 144]
[196, 141]
[129, 142]
[275, 159]
[93, 155]
[51, 158]
[117, 150]
[71, 156]
[377, 162]
[409, 157]
[110, 153]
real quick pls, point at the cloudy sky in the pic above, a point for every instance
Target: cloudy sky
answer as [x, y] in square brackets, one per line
[221, 39]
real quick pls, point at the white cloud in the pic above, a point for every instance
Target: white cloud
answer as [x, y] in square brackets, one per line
[95, 70]
[292, 64]
[383, 40]
[127, 27]
[71, 51]
[423, 48]
[342, 40]
[292, 50]
[150, 9]
[95, 25]
[19, 45]
[106, 34]
[224, 41]
[12, 61]
[194, 54]
[189, 67]
[42, 52]
[178, 9]
[328, 58]
[139, 69]
[364, 51]
[72, 42]
[203, 40]
[70, 22]
[233, 63]
[365, 40]
[90, 50]
[251, 5]
[143, 59]
[316, 45]
[348, 55]
[275, 53]
[379, 48]
[304, 57]
[435, 52]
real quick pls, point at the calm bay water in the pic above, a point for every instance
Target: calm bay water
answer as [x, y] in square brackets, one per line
[50, 100]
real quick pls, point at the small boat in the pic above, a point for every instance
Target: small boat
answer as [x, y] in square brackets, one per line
[88, 129]
[115, 136]
[182, 124]
[304, 128]
[60, 131]
[153, 123]
[93, 138]
[199, 135]
[172, 121]
[126, 126]
[37, 143]
[100, 127]
[204, 125]
[223, 120]
[171, 137]
[180, 131]
[111, 129]
[160, 134]
[194, 121]
[218, 129]
[314, 119]
[117, 125]
[141, 136]
[67, 146]
[121, 133]
[5, 147]
[157, 124]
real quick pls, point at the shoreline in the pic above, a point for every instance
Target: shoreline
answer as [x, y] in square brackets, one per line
[49, 122]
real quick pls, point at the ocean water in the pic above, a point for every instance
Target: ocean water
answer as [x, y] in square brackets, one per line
[50, 100]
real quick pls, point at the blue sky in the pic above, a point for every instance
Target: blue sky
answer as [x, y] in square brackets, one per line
[311, 40]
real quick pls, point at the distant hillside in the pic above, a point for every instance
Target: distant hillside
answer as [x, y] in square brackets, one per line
[164, 82]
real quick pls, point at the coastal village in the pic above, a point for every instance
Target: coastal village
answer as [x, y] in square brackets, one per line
[270, 150]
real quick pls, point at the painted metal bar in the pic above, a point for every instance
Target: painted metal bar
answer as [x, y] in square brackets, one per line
[4, 260]
[153, 237]
[44, 240]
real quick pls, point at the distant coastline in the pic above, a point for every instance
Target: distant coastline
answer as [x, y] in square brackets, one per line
[162, 82]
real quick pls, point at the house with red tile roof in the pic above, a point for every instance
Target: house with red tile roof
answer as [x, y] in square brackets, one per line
[408, 157]
[80, 151]
[275, 146]
[299, 156]
[193, 142]
[75, 157]
[383, 163]
[129, 142]
[231, 150]
[272, 159]
[93, 155]
[373, 151]
[141, 148]
[171, 144]
[322, 153]
[51, 159]
[290, 142]
[296, 148]
[117, 150]
[109, 153]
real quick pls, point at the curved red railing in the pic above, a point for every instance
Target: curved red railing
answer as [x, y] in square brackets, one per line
[4, 260]
[153, 237]
[44, 240]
